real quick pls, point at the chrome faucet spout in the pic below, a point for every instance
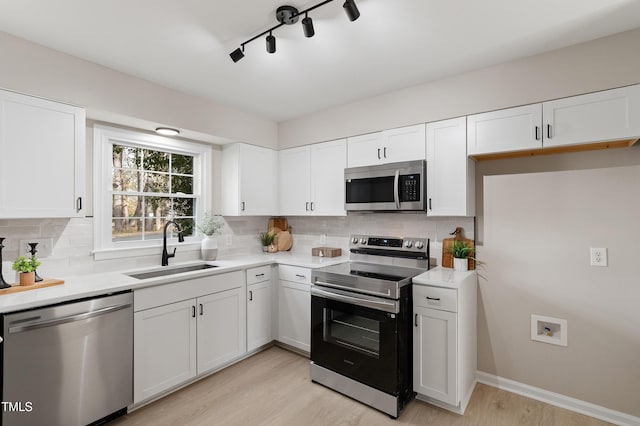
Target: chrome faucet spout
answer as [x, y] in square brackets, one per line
[165, 254]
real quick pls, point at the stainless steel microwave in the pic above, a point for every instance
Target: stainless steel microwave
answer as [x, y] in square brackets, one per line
[386, 187]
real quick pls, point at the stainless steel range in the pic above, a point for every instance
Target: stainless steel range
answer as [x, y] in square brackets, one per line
[361, 321]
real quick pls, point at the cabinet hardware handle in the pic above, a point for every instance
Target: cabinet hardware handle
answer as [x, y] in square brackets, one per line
[250, 295]
[201, 309]
[242, 206]
[416, 320]
[384, 152]
[259, 275]
[537, 133]
[79, 204]
[548, 131]
[193, 311]
[306, 206]
[312, 206]
[433, 298]
[430, 204]
[300, 276]
[378, 153]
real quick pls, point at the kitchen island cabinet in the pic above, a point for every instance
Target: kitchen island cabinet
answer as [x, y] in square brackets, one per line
[42, 157]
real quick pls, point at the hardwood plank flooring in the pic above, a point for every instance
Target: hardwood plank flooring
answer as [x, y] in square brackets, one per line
[274, 388]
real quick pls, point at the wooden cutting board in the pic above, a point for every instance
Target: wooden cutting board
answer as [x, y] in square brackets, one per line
[447, 246]
[279, 224]
[284, 241]
[47, 282]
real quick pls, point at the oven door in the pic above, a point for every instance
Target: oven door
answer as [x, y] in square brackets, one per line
[354, 339]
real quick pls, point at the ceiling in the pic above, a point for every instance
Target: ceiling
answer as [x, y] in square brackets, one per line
[185, 44]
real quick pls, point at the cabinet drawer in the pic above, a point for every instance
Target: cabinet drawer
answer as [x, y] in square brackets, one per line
[444, 299]
[295, 274]
[259, 274]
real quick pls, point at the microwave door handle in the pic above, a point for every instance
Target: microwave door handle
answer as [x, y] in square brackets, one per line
[396, 195]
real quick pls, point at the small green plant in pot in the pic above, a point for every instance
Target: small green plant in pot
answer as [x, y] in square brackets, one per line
[266, 239]
[26, 268]
[461, 252]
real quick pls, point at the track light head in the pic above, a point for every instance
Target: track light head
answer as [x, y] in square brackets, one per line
[351, 10]
[307, 26]
[236, 55]
[271, 43]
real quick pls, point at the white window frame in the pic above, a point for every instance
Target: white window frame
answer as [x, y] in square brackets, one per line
[104, 137]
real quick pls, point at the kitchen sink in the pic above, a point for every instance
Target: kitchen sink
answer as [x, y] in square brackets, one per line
[171, 271]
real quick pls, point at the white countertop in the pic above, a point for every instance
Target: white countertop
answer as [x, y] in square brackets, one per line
[82, 286]
[444, 277]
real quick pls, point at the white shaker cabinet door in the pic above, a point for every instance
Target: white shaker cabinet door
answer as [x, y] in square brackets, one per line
[42, 146]
[164, 348]
[591, 118]
[507, 130]
[294, 178]
[403, 144]
[294, 315]
[365, 150]
[450, 173]
[259, 303]
[221, 328]
[328, 161]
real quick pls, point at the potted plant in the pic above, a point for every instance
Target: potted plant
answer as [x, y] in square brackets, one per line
[267, 239]
[26, 268]
[210, 226]
[461, 252]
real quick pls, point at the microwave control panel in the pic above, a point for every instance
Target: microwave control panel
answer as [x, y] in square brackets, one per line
[410, 187]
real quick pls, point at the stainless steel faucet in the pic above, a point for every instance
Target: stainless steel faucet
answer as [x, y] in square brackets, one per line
[165, 255]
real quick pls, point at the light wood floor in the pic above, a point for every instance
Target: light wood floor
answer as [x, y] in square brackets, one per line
[273, 388]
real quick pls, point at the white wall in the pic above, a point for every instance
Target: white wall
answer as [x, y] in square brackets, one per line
[597, 65]
[119, 98]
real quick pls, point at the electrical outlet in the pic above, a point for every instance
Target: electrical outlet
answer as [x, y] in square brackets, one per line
[44, 247]
[323, 238]
[598, 256]
[229, 239]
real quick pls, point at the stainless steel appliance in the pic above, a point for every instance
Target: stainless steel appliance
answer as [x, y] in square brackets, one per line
[361, 336]
[386, 187]
[69, 364]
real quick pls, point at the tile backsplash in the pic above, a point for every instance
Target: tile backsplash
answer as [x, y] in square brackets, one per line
[73, 238]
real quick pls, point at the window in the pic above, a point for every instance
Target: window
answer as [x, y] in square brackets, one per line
[141, 182]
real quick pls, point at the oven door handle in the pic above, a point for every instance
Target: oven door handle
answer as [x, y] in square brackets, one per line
[386, 293]
[396, 183]
[391, 307]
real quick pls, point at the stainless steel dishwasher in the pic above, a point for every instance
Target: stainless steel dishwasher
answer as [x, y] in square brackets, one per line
[69, 364]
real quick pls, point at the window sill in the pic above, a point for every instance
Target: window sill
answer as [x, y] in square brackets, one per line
[127, 252]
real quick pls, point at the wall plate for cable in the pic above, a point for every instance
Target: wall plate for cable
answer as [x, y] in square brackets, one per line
[598, 256]
[44, 247]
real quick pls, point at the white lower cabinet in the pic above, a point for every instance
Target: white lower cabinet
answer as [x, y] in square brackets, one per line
[259, 308]
[444, 339]
[176, 340]
[294, 307]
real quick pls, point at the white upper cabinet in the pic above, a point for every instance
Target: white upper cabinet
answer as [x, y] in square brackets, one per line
[312, 179]
[388, 146]
[594, 117]
[513, 129]
[42, 146]
[249, 180]
[610, 115]
[450, 173]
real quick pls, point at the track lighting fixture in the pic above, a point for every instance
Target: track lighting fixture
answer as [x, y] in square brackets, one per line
[289, 15]
[307, 26]
[351, 10]
[271, 43]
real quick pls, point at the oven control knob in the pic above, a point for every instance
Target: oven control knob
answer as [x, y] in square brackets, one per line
[408, 244]
[419, 245]
[354, 240]
[363, 241]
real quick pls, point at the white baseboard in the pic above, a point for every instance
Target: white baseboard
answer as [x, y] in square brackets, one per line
[559, 400]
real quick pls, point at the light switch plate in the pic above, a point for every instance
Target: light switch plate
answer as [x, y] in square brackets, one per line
[44, 247]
